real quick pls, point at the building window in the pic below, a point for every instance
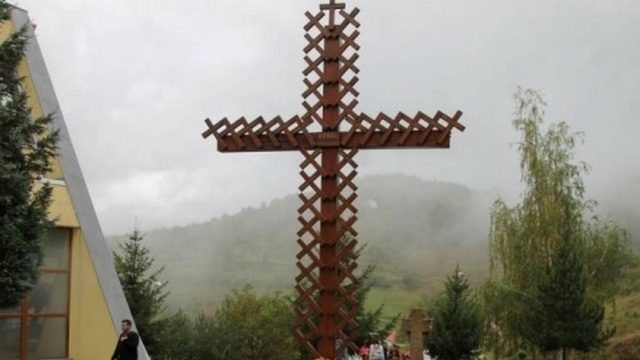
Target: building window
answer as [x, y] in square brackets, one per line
[38, 328]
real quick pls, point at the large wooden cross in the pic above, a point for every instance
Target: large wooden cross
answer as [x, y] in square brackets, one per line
[329, 134]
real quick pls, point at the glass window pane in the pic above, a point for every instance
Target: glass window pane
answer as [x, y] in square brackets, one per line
[12, 310]
[47, 338]
[9, 338]
[56, 255]
[50, 296]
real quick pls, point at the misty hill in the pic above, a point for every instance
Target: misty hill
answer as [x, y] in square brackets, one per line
[619, 201]
[415, 231]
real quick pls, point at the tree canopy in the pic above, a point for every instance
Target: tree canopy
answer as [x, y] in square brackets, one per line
[370, 326]
[252, 326]
[562, 317]
[27, 150]
[525, 237]
[457, 325]
[143, 289]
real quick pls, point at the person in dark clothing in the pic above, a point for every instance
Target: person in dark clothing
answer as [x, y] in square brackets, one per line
[127, 347]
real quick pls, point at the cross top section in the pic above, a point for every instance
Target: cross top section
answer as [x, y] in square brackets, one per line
[332, 6]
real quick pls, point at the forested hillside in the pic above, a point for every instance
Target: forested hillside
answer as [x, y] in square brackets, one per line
[415, 231]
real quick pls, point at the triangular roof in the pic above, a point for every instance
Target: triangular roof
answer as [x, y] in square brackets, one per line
[100, 253]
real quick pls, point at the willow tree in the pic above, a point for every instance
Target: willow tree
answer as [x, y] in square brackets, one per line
[524, 237]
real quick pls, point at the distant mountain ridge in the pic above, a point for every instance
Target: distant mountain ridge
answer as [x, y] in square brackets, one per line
[415, 231]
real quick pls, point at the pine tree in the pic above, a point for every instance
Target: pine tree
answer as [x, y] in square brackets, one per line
[562, 317]
[457, 326]
[27, 148]
[205, 331]
[180, 339]
[145, 293]
[370, 325]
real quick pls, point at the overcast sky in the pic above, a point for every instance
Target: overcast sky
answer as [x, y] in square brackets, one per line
[136, 79]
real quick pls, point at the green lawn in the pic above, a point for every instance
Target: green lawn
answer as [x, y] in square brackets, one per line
[396, 301]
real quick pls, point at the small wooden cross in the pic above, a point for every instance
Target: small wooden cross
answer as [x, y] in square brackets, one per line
[332, 6]
[416, 326]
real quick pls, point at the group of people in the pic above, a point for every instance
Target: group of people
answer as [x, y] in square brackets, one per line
[127, 346]
[377, 350]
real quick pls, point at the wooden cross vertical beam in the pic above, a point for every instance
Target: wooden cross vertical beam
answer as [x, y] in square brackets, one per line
[329, 282]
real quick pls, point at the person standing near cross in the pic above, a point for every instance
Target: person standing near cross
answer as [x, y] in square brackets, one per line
[377, 351]
[127, 346]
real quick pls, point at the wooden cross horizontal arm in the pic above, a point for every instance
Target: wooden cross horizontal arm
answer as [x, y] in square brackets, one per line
[363, 132]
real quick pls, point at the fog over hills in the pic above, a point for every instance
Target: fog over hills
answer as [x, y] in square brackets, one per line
[414, 231]
[619, 201]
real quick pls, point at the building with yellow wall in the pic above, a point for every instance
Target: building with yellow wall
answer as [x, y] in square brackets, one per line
[75, 310]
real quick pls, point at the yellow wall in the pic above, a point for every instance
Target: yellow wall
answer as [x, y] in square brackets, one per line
[91, 330]
[92, 335]
[6, 29]
[61, 209]
[36, 111]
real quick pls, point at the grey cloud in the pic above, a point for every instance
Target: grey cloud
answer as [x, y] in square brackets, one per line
[136, 79]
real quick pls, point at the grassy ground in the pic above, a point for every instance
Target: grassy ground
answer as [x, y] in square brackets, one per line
[396, 301]
[625, 345]
[627, 318]
[626, 342]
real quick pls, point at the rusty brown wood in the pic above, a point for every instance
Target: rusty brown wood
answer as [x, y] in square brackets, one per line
[384, 132]
[326, 263]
